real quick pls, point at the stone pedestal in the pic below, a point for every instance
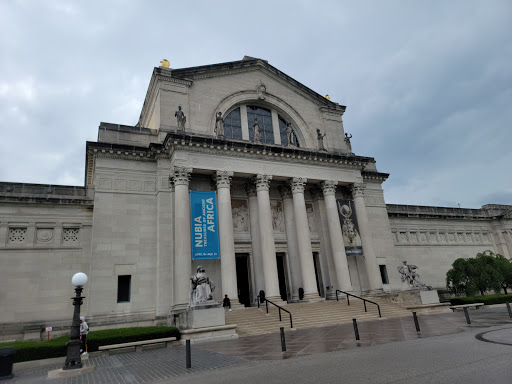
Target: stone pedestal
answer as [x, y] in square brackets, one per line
[203, 322]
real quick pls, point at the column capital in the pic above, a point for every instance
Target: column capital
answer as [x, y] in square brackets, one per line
[298, 184]
[358, 189]
[329, 187]
[285, 191]
[223, 179]
[262, 182]
[181, 175]
[250, 188]
[316, 193]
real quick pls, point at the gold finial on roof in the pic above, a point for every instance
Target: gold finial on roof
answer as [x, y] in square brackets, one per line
[165, 63]
[327, 97]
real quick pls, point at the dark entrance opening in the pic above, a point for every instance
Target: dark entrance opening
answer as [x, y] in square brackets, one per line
[242, 279]
[281, 274]
[318, 275]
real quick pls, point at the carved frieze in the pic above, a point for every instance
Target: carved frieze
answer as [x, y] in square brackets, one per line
[439, 237]
[44, 235]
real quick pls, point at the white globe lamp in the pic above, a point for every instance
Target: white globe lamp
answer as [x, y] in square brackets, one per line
[79, 279]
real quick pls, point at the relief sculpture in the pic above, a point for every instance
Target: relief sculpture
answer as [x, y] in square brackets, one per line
[240, 214]
[277, 216]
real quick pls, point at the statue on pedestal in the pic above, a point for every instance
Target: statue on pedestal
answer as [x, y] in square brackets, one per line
[290, 133]
[219, 125]
[410, 278]
[256, 128]
[180, 119]
[320, 139]
[201, 288]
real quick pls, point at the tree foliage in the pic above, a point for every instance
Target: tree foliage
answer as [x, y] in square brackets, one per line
[485, 272]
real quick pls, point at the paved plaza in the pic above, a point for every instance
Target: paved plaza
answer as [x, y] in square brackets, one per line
[390, 351]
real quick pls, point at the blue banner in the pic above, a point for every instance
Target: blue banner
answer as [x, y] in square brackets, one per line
[203, 217]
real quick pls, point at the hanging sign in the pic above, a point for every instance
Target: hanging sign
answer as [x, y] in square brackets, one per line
[349, 227]
[203, 218]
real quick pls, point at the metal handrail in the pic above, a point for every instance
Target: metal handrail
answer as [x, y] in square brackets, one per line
[357, 297]
[279, 307]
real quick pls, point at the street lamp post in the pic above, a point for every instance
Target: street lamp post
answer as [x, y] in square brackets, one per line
[73, 360]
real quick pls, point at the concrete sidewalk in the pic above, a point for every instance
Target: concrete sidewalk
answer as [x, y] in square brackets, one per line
[252, 353]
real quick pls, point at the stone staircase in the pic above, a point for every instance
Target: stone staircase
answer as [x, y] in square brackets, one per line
[254, 321]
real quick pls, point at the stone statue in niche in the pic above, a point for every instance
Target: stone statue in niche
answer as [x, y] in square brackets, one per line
[347, 141]
[180, 119]
[262, 90]
[410, 278]
[201, 288]
[320, 139]
[240, 218]
[290, 133]
[219, 125]
[277, 216]
[256, 129]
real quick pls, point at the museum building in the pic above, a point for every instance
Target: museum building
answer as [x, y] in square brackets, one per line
[298, 213]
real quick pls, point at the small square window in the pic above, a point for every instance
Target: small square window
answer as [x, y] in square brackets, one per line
[384, 274]
[123, 288]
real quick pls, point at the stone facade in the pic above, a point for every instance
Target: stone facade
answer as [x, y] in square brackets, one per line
[278, 220]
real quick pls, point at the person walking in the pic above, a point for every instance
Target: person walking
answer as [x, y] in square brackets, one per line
[226, 303]
[84, 330]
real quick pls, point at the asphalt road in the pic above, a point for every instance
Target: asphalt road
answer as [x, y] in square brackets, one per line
[456, 358]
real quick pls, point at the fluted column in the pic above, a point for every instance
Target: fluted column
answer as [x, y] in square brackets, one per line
[257, 261]
[268, 247]
[291, 238]
[304, 239]
[226, 238]
[182, 240]
[338, 247]
[372, 269]
[325, 245]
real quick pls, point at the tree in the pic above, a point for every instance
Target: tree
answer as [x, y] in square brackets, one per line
[487, 271]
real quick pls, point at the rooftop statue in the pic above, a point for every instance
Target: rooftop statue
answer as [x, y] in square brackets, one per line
[347, 141]
[201, 288]
[320, 139]
[256, 128]
[219, 125]
[165, 63]
[180, 119]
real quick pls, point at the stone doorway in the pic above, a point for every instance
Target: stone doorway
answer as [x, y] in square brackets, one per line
[281, 274]
[243, 279]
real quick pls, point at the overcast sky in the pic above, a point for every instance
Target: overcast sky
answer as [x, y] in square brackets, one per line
[427, 85]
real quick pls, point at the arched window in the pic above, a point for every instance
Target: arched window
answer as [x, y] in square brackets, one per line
[233, 125]
[264, 117]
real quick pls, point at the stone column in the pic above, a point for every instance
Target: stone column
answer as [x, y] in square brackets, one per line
[227, 241]
[291, 238]
[182, 239]
[268, 247]
[337, 245]
[304, 239]
[372, 268]
[325, 244]
[257, 261]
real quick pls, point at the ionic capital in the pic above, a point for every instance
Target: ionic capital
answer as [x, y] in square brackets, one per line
[358, 189]
[262, 182]
[181, 175]
[329, 187]
[285, 191]
[223, 179]
[298, 184]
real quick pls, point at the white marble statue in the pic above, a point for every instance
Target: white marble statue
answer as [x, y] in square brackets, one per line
[201, 287]
[410, 278]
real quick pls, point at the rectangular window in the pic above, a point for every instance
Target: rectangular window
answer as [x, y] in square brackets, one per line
[123, 288]
[383, 274]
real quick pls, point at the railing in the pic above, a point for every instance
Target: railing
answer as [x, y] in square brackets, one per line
[279, 307]
[357, 297]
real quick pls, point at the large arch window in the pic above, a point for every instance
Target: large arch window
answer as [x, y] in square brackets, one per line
[239, 122]
[233, 125]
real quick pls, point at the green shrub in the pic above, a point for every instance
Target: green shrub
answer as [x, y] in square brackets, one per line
[487, 300]
[37, 350]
